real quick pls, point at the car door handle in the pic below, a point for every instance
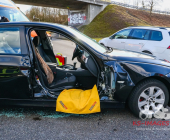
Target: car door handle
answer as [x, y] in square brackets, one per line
[141, 43]
[122, 42]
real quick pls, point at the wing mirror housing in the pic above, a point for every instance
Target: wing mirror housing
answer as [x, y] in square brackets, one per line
[111, 37]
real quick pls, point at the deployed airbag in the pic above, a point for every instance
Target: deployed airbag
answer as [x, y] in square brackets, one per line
[78, 101]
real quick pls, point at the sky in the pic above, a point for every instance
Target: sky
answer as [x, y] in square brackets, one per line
[23, 8]
[165, 5]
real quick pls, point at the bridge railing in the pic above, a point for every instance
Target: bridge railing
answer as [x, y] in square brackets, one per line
[140, 8]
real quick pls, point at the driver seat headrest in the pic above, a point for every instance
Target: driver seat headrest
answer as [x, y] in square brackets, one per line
[36, 41]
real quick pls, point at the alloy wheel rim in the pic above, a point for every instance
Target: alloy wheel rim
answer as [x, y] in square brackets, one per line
[151, 100]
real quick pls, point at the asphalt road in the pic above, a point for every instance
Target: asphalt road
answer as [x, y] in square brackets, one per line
[47, 124]
[40, 123]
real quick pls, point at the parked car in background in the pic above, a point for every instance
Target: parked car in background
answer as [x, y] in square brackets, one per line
[151, 40]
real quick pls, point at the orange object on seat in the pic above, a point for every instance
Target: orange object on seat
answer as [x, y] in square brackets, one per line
[33, 34]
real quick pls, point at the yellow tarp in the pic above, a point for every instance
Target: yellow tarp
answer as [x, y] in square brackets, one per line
[78, 101]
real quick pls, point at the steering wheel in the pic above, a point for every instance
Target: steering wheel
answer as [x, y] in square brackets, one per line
[76, 52]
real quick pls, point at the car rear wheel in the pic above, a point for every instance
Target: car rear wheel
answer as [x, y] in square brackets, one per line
[149, 96]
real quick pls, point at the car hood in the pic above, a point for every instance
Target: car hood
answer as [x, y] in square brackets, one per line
[106, 38]
[121, 55]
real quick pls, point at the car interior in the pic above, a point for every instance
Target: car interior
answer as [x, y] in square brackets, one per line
[66, 76]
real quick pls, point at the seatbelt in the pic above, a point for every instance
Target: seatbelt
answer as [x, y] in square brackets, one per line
[47, 70]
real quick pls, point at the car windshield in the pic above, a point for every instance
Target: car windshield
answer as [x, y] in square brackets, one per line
[95, 45]
[12, 13]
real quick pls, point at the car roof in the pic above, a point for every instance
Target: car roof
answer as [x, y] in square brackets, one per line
[168, 28]
[150, 27]
[32, 24]
[7, 3]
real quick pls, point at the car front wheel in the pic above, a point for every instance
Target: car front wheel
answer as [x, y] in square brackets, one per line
[149, 96]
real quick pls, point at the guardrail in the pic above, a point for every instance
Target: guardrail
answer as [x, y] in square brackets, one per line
[140, 8]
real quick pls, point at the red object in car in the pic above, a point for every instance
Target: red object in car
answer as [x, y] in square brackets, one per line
[61, 60]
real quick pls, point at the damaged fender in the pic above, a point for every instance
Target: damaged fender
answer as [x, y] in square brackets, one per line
[129, 74]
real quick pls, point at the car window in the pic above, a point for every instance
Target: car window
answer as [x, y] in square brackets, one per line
[140, 34]
[156, 36]
[146, 37]
[12, 14]
[122, 34]
[95, 45]
[10, 41]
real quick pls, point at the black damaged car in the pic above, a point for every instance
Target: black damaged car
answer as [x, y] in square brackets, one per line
[30, 75]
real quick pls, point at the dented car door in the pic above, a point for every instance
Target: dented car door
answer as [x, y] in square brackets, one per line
[15, 68]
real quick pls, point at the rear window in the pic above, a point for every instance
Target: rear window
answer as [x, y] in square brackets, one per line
[156, 36]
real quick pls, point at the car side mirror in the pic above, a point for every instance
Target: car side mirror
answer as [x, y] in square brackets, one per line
[112, 37]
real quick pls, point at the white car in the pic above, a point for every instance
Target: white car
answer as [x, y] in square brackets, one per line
[151, 40]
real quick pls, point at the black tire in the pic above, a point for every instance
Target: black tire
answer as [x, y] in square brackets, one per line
[133, 98]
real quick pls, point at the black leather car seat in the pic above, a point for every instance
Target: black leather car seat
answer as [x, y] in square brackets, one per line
[68, 81]
[38, 46]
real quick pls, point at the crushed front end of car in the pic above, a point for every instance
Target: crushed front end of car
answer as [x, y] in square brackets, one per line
[113, 78]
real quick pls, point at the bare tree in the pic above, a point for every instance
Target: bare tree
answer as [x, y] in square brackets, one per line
[137, 3]
[47, 14]
[151, 4]
[143, 4]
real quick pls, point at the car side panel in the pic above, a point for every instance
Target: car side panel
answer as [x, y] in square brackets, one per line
[15, 77]
[116, 43]
[158, 47]
[155, 46]
[130, 74]
[135, 45]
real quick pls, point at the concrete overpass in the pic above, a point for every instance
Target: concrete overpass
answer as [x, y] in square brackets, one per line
[91, 7]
